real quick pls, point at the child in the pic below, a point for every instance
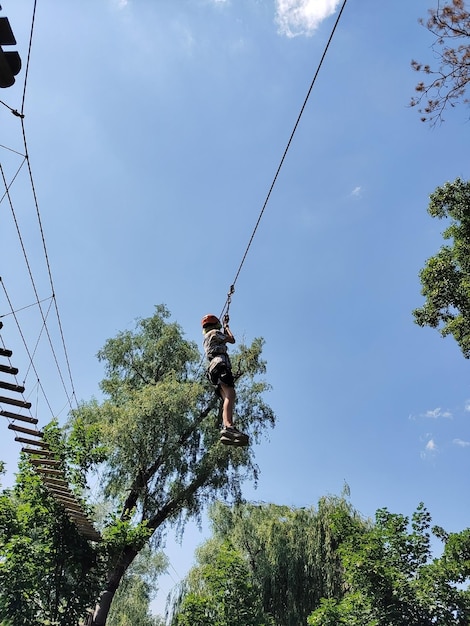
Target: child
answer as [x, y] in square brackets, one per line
[220, 374]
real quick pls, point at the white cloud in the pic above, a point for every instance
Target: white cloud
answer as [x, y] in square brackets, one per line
[467, 405]
[437, 413]
[461, 443]
[356, 191]
[430, 449]
[302, 17]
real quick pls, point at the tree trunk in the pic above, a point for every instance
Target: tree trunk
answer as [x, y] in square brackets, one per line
[101, 613]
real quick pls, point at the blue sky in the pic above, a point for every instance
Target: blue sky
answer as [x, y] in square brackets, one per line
[154, 132]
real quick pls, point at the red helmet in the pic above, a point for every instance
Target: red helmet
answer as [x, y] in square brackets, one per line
[210, 320]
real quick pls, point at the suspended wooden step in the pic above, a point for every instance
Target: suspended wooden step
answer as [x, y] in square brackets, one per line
[8, 369]
[71, 505]
[26, 431]
[17, 416]
[11, 387]
[52, 462]
[43, 452]
[43, 445]
[21, 403]
[55, 482]
[63, 494]
[5, 352]
[48, 470]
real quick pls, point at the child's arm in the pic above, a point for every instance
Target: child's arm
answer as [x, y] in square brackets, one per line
[229, 338]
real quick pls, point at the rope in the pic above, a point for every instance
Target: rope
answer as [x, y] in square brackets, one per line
[232, 286]
[26, 73]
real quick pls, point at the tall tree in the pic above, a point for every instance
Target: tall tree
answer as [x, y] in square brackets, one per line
[391, 577]
[446, 84]
[445, 279]
[154, 439]
[290, 554]
[220, 591]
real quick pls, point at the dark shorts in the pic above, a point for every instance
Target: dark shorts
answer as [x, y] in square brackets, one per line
[222, 374]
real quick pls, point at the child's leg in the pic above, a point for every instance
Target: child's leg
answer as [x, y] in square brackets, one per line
[228, 395]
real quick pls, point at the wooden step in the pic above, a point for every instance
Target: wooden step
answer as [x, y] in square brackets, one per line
[21, 403]
[70, 503]
[48, 470]
[62, 492]
[42, 444]
[11, 387]
[53, 462]
[5, 352]
[55, 482]
[8, 369]
[21, 418]
[32, 451]
[26, 431]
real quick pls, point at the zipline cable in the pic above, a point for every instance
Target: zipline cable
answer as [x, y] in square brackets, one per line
[232, 286]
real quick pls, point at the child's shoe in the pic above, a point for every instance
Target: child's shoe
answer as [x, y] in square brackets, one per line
[231, 436]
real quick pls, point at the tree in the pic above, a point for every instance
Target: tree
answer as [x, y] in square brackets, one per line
[289, 555]
[445, 279]
[450, 24]
[48, 573]
[219, 591]
[154, 439]
[392, 579]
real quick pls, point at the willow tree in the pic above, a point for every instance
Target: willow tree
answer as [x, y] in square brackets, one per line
[445, 278]
[290, 558]
[154, 439]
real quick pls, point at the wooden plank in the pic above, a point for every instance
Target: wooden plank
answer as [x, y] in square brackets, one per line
[26, 431]
[62, 490]
[32, 442]
[20, 418]
[54, 482]
[40, 461]
[47, 470]
[8, 369]
[11, 387]
[15, 402]
[43, 452]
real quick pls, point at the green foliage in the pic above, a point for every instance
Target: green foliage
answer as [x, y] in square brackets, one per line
[48, 573]
[220, 592]
[154, 438]
[445, 278]
[289, 554]
[153, 441]
[391, 578]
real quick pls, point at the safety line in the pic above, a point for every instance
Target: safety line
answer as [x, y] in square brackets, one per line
[232, 286]
[26, 73]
